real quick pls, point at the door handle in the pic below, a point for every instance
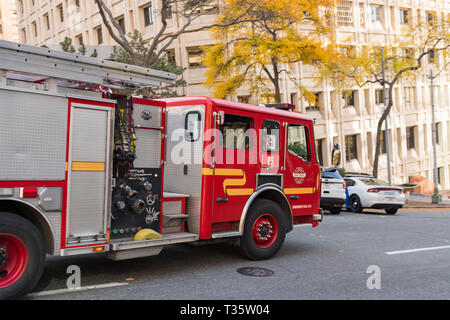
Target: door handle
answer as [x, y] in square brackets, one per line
[294, 197]
[222, 200]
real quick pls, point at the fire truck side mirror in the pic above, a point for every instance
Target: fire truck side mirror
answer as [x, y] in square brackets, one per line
[335, 156]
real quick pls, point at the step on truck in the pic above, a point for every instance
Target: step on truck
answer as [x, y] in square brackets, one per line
[86, 170]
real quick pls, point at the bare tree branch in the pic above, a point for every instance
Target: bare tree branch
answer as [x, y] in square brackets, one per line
[122, 39]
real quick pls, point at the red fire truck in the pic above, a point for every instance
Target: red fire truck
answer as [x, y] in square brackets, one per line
[84, 170]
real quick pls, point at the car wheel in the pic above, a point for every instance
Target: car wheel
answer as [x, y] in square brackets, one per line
[335, 210]
[355, 204]
[264, 230]
[391, 210]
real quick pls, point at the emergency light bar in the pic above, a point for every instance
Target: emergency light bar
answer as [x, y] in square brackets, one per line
[281, 106]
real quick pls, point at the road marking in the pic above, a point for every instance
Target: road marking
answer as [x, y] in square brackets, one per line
[61, 291]
[417, 250]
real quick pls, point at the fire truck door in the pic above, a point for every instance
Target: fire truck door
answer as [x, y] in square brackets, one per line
[88, 167]
[299, 178]
[235, 164]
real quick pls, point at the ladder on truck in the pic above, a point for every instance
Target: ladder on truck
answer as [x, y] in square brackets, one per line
[62, 69]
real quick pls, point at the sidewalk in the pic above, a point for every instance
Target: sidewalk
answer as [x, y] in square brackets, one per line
[419, 200]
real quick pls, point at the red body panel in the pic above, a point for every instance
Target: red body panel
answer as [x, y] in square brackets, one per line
[236, 181]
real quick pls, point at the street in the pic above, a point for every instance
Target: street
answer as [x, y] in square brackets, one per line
[337, 260]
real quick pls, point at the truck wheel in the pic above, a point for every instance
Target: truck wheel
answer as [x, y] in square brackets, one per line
[22, 256]
[264, 230]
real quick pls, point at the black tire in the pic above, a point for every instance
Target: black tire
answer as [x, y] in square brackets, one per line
[391, 210]
[17, 230]
[355, 204]
[254, 247]
[335, 210]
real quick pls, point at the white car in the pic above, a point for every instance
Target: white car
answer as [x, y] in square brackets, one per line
[368, 192]
[333, 191]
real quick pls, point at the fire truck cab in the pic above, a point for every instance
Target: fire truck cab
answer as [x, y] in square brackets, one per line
[84, 170]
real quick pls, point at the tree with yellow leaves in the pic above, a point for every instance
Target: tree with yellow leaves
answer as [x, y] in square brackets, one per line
[277, 34]
[420, 44]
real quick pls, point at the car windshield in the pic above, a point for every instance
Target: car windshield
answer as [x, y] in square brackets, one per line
[331, 175]
[374, 182]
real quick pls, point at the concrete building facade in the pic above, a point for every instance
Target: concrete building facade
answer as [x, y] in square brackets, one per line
[349, 120]
[9, 29]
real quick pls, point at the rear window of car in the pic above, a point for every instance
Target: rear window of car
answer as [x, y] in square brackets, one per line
[331, 175]
[374, 182]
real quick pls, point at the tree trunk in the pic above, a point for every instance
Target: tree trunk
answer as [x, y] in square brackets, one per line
[379, 126]
[276, 80]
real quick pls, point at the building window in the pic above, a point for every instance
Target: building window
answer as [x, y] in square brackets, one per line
[77, 6]
[430, 17]
[345, 13]
[195, 57]
[432, 56]
[383, 142]
[379, 96]
[121, 23]
[243, 99]
[375, 14]
[349, 98]
[170, 55]
[34, 29]
[80, 39]
[148, 15]
[406, 52]
[351, 150]
[438, 132]
[99, 35]
[319, 147]
[60, 10]
[24, 35]
[404, 16]
[440, 175]
[410, 138]
[47, 21]
[315, 103]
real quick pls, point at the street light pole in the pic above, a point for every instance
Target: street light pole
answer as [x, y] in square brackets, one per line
[436, 198]
[386, 126]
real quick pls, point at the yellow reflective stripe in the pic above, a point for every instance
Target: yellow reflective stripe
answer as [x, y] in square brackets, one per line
[239, 192]
[88, 166]
[299, 190]
[222, 172]
[207, 171]
[241, 181]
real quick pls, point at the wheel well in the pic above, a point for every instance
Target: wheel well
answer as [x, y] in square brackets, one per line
[275, 195]
[34, 216]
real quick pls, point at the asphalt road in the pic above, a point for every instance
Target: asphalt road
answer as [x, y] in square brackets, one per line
[336, 260]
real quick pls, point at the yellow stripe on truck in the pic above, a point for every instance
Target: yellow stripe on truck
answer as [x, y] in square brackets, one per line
[299, 190]
[88, 166]
[234, 182]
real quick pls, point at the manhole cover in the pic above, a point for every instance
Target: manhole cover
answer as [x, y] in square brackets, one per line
[255, 272]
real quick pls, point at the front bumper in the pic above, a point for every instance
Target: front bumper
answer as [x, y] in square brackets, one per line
[319, 216]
